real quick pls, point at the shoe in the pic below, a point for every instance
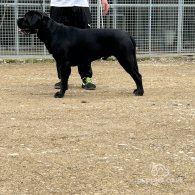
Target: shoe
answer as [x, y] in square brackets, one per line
[87, 84]
[57, 85]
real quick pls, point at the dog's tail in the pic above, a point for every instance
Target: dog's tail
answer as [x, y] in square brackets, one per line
[134, 51]
[133, 41]
[134, 45]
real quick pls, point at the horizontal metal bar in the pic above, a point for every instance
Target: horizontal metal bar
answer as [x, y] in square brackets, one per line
[111, 5]
[150, 5]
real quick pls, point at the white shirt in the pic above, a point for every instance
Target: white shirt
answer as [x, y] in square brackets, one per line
[69, 3]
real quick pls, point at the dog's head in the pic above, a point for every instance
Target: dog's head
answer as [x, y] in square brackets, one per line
[31, 22]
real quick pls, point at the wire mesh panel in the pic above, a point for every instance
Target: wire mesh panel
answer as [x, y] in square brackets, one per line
[159, 26]
[30, 45]
[11, 41]
[188, 29]
[164, 22]
[7, 29]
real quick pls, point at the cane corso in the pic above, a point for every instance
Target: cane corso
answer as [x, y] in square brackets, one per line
[71, 46]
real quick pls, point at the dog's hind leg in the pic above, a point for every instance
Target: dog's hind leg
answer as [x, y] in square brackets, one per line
[129, 63]
[65, 70]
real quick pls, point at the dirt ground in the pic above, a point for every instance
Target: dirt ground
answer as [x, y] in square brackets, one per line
[102, 142]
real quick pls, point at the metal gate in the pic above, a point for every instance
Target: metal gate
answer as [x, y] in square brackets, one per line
[159, 26]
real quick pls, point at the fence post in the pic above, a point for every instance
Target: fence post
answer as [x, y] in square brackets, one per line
[180, 26]
[44, 48]
[16, 30]
[150, 28]
[98, 14]
[114, 16]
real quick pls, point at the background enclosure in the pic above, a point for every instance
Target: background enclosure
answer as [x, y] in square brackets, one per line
[159, 26]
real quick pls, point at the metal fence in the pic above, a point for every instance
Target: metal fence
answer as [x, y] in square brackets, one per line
[159, 26]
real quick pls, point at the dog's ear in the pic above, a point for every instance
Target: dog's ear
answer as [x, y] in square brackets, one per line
[35, 17]
[41, 13]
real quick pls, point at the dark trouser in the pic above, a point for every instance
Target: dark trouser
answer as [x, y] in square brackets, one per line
[78, 17]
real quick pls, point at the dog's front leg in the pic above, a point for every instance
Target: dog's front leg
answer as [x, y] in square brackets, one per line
[65, 71]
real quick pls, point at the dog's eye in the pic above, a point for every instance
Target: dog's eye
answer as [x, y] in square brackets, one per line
[25, 20]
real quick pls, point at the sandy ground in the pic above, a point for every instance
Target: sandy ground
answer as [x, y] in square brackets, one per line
[98, 142]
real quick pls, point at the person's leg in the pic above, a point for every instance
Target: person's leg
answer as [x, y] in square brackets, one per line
[61, 15]
[86, 73]
[79, 17]
[82, 19]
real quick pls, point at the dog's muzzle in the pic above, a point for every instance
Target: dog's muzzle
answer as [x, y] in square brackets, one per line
[27, 31]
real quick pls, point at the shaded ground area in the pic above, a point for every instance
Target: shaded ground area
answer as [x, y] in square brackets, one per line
[98, 142]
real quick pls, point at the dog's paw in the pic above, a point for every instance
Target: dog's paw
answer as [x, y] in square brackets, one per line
[138, 92]
[59, 95]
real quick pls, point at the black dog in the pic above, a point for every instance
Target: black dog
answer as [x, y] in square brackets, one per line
[71, 46]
